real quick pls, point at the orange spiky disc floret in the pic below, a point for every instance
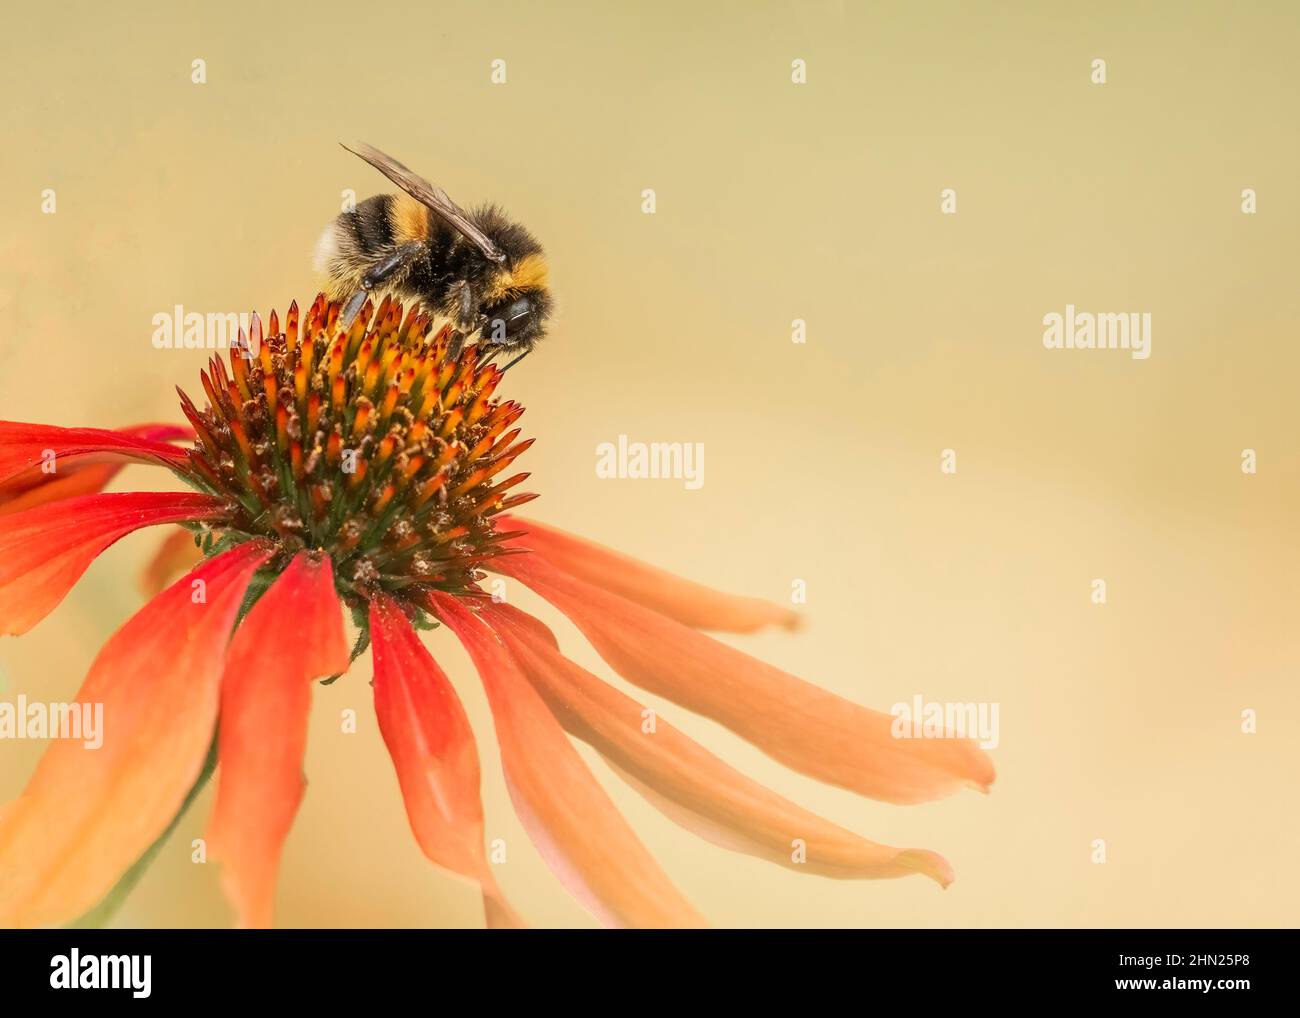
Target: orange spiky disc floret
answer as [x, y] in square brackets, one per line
[381, 446]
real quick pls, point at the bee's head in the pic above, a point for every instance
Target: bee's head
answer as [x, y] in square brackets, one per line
[517, 321]
[516, 301]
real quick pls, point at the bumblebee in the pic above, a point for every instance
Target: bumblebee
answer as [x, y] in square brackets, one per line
[480, 270]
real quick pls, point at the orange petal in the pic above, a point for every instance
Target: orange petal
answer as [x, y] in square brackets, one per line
[691, 604]
[292, 635]
[432, 746]
[573, 823]
[44, 551]
[87, 474]
[806, 728]
[23, 446]
[88, 814]
[17, 496]
[159, 432]
[75, 473]
[690, 784]
[176, 554]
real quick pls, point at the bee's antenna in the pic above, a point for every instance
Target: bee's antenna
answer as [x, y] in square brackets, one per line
[516, 360]
[353, 309]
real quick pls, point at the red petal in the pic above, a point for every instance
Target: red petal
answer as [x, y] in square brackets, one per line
[432, 746]
[691, 604]
[807, 728]
[690, 784]
[89, 814]
[582, 836]
[292, 635]
[44, 551]
[23, 446]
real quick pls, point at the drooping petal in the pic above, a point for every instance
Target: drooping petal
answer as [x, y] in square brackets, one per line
[157, 432]
[572, 821]
[44, 550]
[23, 446]
[89, 813]
[691, 604]
[805, 727]
[176, 554]
[690, 784]
[70, 475]
[432, 746]
[23, 493]
[292, 635]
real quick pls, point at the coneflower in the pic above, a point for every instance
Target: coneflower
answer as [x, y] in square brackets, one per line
[371, 470]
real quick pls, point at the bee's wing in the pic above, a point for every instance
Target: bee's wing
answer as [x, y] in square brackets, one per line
[430, 195]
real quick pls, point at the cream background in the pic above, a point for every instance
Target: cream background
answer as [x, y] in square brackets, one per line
[775, 202]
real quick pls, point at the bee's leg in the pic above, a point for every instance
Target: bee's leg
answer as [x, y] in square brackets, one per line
[454, 344]
[460, 306]
[376, 275]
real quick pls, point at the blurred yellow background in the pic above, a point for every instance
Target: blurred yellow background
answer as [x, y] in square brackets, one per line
[775, 202]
